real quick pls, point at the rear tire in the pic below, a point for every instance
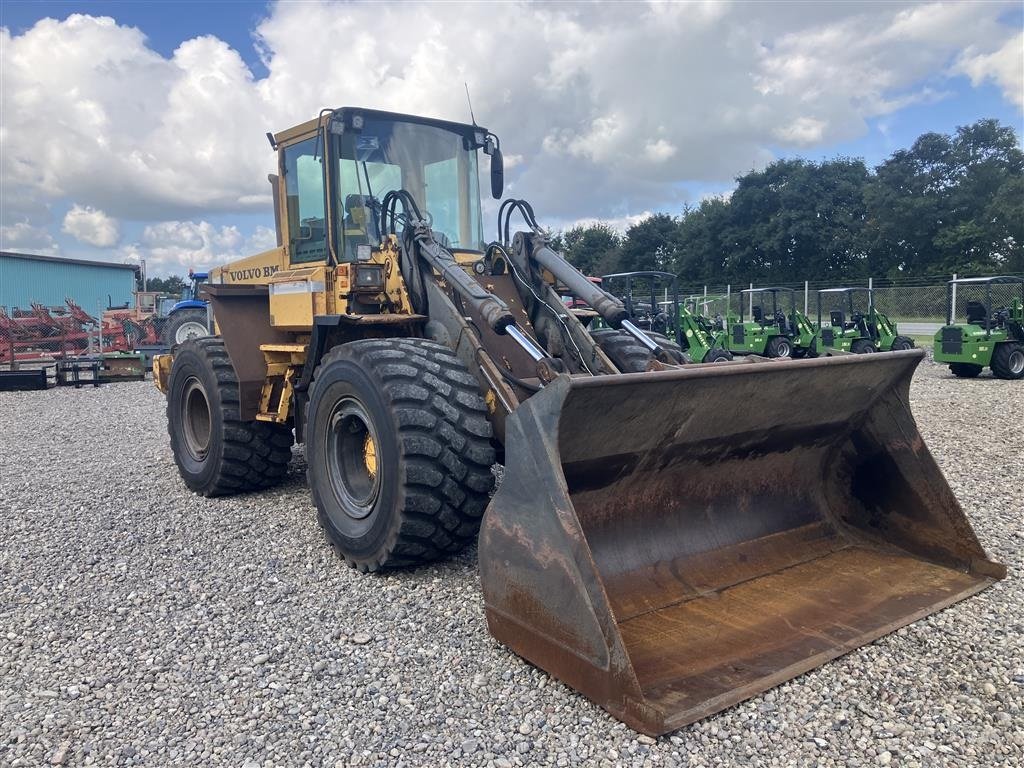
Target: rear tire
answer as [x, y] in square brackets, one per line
[1008, 361]
[183, 325]
[862, 347]
[902, 342]
[218, 453]
[399, 452]
[628, 355]
[965, 370]
[779, 346]
[675, 352]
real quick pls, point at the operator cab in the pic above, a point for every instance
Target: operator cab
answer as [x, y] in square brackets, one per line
[848, 300]
[775, 314]
[350, 159]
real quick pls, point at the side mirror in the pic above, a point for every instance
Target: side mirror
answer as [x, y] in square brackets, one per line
[493, 148]
[497, 174]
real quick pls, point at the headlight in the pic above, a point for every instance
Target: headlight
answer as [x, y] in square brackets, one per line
[369, 278]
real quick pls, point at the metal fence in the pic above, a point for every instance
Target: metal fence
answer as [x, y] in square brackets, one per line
[918, 306]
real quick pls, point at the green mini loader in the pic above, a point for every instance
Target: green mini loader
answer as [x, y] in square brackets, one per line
[990, 338]
[770, 331]
[865, 329]
[640, 293]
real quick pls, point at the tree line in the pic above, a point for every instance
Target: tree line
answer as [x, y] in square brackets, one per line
[950, 203]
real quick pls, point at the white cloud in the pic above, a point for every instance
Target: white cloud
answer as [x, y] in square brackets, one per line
[262, 239]
[91, 226]
[22, 237]
[618, 223]
[173, 247]
[1005, 66]
[611, 105]
[512, 161]
[804, 131]
[659, 151]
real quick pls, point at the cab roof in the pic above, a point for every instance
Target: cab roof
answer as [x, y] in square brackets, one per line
[347, 112]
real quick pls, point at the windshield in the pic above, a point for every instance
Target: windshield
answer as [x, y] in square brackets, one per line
[437, 166]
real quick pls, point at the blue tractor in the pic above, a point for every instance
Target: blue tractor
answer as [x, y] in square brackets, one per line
[187, 317]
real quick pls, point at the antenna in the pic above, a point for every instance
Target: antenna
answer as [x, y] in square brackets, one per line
[470, 101]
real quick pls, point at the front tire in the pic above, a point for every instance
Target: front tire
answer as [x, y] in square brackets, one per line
[862, 347]
[217, 452]
[965, 370]
[779, 346]
[399, 452]
[717, 355]
[1008, 361]
[902, 342]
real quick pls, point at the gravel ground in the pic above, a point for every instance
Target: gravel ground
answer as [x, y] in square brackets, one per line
[142, 625]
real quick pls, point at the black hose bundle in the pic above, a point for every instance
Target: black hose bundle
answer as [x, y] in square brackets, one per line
[505, 212]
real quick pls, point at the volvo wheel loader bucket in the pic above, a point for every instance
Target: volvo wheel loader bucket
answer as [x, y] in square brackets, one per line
[671, 543]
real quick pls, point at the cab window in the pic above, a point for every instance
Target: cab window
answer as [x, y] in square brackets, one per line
[362, 185]
[304, 190]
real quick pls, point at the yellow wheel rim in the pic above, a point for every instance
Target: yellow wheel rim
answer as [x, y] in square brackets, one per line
[370, 455]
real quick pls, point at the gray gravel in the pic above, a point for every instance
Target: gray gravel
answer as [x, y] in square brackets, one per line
[142, 625]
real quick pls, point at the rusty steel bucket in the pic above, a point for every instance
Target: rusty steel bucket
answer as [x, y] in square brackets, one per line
[672, 543]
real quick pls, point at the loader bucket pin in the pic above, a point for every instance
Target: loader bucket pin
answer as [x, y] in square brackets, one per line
[671, 543]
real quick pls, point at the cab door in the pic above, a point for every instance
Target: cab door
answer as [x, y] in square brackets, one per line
[300, 293]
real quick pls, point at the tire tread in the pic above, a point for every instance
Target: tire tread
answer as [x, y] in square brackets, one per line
[255, 453]
[445, 448]
[1001, 360]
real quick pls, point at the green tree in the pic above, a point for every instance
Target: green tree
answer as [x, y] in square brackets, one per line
[651, 245]
[702, 247]
[592, 248]
[1005, 218]
[796, 220]
[948, 203]
[173, 285]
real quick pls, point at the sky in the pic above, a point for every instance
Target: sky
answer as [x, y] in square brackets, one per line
[136, 130]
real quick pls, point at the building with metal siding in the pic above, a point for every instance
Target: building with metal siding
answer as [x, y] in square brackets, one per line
[94, 285]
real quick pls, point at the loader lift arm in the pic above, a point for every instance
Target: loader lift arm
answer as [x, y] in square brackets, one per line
[534, 246]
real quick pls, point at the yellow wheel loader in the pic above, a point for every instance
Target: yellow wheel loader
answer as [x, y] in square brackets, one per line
[668, 540]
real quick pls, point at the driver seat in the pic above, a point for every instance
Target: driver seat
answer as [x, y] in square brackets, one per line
[782, 322]
[976, 313]
[360, 224]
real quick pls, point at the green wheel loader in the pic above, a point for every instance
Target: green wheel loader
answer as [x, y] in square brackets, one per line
[667, 542]
[864, 329]
[991, 337]
[770, 331]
